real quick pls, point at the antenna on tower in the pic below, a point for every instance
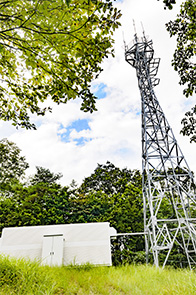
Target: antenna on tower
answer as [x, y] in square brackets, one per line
[143, 32]
[125, 46]
[143, 29]
[135, 35]
[134, 26]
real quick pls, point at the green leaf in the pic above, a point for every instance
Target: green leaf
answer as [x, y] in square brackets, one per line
[68, 2]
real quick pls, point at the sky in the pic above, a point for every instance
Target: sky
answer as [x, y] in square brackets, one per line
[73, 142]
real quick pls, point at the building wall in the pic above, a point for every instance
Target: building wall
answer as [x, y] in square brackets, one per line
[82, 243]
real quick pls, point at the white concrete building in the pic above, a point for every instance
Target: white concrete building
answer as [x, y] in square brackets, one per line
[61, 244]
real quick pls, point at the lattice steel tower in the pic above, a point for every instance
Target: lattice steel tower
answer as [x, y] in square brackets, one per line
[168, 185]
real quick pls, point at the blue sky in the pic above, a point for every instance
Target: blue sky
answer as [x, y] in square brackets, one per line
[81, 124]
[78, 125]
[101, 91]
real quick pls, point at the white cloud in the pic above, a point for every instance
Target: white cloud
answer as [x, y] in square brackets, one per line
[115, 130]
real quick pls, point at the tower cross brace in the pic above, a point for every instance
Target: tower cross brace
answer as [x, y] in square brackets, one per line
[169, 196]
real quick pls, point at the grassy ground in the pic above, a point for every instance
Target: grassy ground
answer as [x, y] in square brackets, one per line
[21, 277]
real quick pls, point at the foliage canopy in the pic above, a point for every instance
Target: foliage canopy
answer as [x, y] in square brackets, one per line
[44, 175]
[184, 28]
[12, 164]
[51, 49]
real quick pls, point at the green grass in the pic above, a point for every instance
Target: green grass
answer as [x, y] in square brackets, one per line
[23, 277]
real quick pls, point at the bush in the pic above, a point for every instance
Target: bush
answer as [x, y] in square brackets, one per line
[20, 276]
[124, 251]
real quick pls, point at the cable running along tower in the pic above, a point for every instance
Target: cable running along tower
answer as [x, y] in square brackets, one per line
[168, 186]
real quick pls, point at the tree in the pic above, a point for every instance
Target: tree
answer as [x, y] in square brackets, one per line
[110, 179]
[184, 28]
[44, 175]
[12, 164]
[189, 124]
[51, 49]
[42, 202]
[111, 194]
[38, 204]
[8, 209]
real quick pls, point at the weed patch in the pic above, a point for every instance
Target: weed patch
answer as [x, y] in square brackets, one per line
[23, 277]
[20, 276]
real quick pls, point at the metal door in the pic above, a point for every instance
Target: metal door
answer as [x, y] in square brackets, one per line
[52, 251]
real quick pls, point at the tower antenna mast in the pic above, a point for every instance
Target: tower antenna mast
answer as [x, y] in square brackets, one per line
[168, 184]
